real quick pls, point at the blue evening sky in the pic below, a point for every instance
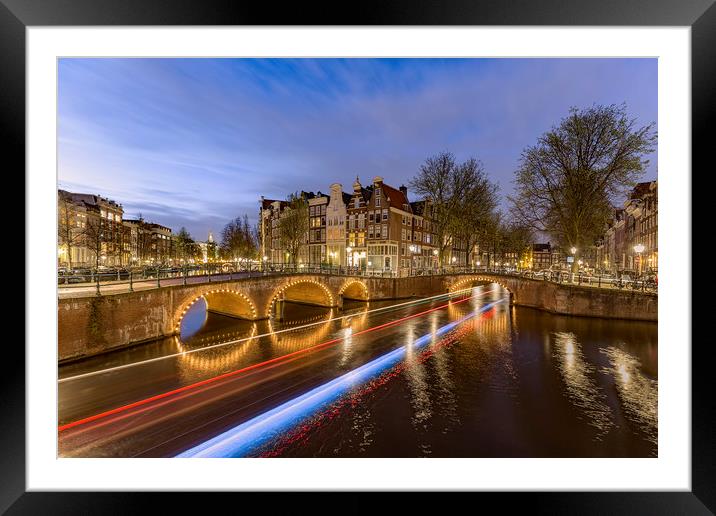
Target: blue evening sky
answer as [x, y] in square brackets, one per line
[196, 142]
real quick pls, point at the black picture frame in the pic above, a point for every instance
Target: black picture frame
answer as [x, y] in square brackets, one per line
[700, 15]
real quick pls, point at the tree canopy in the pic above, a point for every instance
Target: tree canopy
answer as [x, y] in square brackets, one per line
[568, 182]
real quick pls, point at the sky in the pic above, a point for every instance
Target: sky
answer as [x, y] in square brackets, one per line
[197, 142]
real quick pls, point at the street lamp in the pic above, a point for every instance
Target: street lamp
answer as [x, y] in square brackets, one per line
[411, 248]
[638, 249]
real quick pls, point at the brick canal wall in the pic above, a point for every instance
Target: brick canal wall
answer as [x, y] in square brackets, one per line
[93, 325]
[586, 301]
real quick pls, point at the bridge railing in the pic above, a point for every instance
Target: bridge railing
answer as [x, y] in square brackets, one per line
[121, 280]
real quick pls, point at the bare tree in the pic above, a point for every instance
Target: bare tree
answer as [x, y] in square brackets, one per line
[568, 182]
[293, 226]
[94, 236]
[516, 238]
[249, 247]
[475, 207]
[233, 240]
[186, 248]
[238, 240]
[443, 182]
[69, 234]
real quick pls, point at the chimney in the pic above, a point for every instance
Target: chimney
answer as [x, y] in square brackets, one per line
[404, 189]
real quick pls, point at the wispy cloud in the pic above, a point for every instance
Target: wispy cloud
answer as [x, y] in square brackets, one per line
[195, 142]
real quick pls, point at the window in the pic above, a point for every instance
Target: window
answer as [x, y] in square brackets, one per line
[385, 231]
[377, 232]
[370, 231]
[370, 217]
[356, 202]
[385, 214]
[377, 201]
[402, 234]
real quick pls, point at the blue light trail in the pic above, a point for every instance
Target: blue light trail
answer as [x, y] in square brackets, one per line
[242, 439]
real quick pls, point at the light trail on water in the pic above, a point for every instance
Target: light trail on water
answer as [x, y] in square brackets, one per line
[237, 341]
[283, 358]
[242, 439]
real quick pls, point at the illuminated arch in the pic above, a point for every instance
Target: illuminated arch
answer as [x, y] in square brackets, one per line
[354, 289]
[466, 282]
[290, 284]
[220, 358]
[247, 310]
[288, 341]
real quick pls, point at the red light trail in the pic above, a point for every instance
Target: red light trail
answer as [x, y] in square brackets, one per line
[258, 365]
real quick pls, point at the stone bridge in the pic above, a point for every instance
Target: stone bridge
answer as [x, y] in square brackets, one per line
[88, 326]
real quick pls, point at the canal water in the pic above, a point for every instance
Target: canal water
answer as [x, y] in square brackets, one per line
[511, 382]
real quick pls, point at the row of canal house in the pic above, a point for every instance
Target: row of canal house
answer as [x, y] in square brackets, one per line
[374, 228]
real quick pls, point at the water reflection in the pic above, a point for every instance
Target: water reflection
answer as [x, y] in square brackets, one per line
[637, 393]
[581, 387]
[217, 360]
[513, 382]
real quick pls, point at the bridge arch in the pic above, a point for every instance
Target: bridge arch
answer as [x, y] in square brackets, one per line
[463, 282]
[224, 301]
[354, 289]
[301, 290]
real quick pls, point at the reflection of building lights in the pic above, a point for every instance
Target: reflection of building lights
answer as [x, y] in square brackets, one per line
[246, 437]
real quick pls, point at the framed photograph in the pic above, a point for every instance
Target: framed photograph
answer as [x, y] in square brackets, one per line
[419, 252]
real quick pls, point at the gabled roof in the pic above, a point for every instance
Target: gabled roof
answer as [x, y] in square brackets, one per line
[397, 198]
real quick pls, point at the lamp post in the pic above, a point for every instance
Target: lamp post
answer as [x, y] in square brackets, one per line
[638, 249]
[573, 251]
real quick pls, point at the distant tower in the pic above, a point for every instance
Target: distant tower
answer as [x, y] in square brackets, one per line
[211, 237]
